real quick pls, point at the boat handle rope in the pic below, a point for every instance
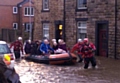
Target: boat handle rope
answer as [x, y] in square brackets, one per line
[70, 56]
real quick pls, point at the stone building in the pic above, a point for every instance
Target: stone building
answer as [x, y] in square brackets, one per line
[51, 15]
[103, 26]
[72, 19]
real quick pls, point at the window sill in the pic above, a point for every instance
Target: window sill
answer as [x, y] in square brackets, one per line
[81, 9]
[45, 10]
[15, 13]
[29, 15]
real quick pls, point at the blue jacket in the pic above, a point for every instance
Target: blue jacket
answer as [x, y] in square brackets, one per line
[45, 48]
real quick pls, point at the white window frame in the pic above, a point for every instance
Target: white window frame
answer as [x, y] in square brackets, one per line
[15, 8]
[46, 29]
[26, 13]
[81, 28]
[44, 3]
[15, 24]
[80, 4]
[27, 28]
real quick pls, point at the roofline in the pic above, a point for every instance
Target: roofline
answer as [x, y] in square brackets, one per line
[23, 2]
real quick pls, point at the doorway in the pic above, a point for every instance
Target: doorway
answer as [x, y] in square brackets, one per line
[102, 38]
[59, 30]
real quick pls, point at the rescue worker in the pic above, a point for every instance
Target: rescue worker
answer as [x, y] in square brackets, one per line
[77, 47]
[88, 53]
[17, 47]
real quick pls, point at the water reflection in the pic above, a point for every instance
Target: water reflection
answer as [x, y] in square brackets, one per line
[108, 71]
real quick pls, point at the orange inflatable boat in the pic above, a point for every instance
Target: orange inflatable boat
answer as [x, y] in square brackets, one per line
[54, 59]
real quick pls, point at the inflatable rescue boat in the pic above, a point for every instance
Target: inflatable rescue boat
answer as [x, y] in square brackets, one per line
[54, 59]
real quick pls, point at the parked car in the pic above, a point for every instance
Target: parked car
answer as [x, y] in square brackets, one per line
[4, 49]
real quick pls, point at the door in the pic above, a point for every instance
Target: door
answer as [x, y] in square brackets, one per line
[59, 30]
[102, 39]
[103, 42]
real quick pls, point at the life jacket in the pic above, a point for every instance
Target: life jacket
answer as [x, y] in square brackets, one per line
[17, 46]
[88, 50]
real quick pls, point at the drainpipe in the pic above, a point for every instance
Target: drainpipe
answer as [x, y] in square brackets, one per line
[64, 17]
[115, 56]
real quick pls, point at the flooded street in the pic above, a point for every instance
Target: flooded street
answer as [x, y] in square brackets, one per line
[107, 71]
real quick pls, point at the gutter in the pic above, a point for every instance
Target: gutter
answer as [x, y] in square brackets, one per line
[115, 56]
[64, 17]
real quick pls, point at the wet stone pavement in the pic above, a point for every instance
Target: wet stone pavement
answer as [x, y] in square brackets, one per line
[107, 71]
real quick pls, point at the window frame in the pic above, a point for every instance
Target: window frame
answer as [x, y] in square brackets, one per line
[43, 5]
[46, 29]
[27, 28]
[78, 8]
[27, 13]
[81, 29]
[15, 12]
[15, 24]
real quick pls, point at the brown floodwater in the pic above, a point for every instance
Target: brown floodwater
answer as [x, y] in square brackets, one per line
[107, 71]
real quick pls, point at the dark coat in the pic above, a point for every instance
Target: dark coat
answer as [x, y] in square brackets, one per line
[55, 47]
[62, 46]
[27, 48]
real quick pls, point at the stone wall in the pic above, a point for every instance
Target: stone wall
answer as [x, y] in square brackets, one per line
[118, 28]
[97, 10]
[70, 30]
[71, 23]
[55, 13]
[102, 10]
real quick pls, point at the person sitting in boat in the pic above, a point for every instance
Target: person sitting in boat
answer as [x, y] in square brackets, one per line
[77, 47]
[45, 47]
[27, 48]
[38, 44]
[62, 45]
[53, 40]
[55, 46]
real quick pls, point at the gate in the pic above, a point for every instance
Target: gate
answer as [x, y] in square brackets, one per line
[8, 35]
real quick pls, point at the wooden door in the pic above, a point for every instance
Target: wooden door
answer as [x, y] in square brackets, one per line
[103, 45]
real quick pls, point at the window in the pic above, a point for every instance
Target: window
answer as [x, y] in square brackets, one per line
[29, 11]
[82, 29]
[15, 25]
[45, 5]
[15, 10]
[81, 4]
[28, 26]
[4, 49]
[46, 30]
